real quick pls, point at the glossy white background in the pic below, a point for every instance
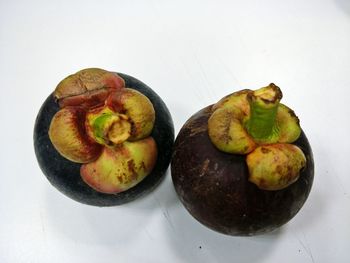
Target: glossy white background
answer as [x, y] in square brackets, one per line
[191, 53]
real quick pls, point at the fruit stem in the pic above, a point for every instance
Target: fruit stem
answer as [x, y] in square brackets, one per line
[264, 103]
[111, 128]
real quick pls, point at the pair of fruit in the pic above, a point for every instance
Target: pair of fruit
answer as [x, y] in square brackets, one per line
[241, 166]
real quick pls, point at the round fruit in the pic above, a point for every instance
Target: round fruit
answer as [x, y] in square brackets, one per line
[103, 138]
[235, 173]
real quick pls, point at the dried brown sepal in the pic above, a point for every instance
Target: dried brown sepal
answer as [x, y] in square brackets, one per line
[87, 87]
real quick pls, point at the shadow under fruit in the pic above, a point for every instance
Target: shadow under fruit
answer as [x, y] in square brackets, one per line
[243, 166]
[103, 138]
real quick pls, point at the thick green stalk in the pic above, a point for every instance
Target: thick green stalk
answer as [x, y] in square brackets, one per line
[264, 103]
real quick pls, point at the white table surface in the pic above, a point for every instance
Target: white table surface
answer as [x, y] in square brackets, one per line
[191, 53]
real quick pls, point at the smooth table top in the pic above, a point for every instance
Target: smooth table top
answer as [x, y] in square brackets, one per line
[192, 53]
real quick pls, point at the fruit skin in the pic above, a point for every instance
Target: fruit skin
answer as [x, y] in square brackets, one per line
[214, 186]
[65, 175]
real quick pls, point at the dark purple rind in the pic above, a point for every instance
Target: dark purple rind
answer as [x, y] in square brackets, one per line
[214, 186]
[65, 175]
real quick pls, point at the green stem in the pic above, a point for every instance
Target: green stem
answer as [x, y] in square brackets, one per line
[264, 103]
[111, 128]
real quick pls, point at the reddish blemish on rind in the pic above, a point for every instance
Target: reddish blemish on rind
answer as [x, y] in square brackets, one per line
[114, 81]
[87, 100]
[115, 101]
[68, 135]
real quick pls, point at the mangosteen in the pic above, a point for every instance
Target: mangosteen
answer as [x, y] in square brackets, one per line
[103, 138]
[243, 166]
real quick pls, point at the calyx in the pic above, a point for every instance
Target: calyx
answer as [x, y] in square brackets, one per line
[106, 127]
[256, 124]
